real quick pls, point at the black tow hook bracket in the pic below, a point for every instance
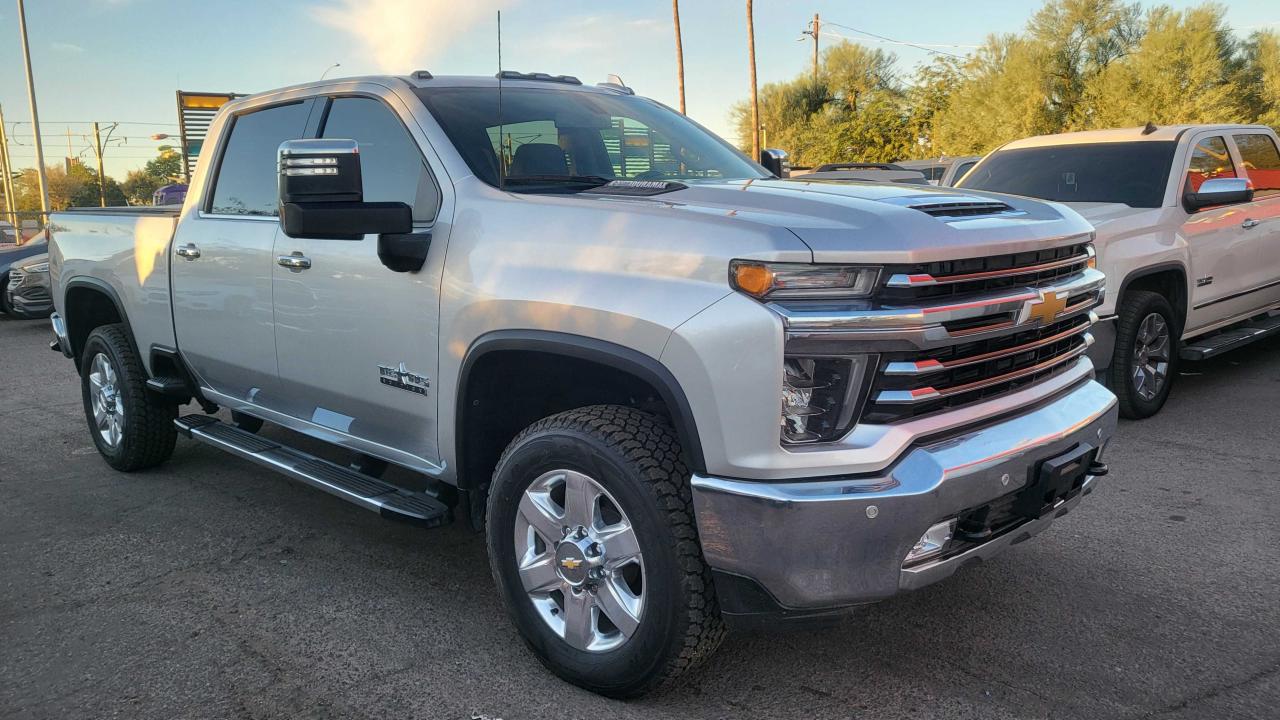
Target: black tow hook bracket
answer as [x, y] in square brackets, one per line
[1098, 468]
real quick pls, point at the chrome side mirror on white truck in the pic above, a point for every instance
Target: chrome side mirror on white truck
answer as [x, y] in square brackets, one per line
[1218, 191]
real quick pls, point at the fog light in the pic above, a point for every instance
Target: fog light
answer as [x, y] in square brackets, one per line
[933, 542]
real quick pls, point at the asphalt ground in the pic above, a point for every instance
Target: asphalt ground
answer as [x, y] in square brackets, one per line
[211, 588]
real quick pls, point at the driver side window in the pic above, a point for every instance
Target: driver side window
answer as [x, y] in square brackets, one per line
[1209, 160]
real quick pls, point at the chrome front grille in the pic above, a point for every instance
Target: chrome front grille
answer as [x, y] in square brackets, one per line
[912, 283]
[909, 385]
[941, 336]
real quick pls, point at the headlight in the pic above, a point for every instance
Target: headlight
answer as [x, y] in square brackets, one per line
[40, 267]
[775, 281]
[820, 397]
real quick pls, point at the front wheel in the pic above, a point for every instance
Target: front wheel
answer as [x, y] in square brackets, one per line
[1145, 359]
[595, 552]
[132, 427]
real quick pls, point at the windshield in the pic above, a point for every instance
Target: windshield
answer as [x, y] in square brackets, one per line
[578, 139]
[1133, 173]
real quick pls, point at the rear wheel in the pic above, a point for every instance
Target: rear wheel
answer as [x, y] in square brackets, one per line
[594, 549]
[131, 427]
[1145, 360]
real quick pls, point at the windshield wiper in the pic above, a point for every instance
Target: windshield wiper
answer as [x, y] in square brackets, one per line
[586, 181]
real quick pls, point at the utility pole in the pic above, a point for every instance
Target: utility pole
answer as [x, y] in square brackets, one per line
[35, 116]
[102, 178]
[755, 104]
[675, 13]
[9, 170]
[816, 30]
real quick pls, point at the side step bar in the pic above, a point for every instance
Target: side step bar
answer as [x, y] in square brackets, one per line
[1209, 346]
[392, 502]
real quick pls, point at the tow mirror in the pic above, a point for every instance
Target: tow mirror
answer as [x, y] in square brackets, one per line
[322, 194]
[1218, 191]
[776, 161]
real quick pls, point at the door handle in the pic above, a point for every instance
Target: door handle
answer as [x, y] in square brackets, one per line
[188, 251]
[297, 262]
[1250, 223]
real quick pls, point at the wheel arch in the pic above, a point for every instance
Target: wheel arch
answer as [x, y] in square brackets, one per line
[597, 362]
[89, 303]
[1168, 279]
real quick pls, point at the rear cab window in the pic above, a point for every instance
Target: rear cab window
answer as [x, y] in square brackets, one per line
[245, 183]
[1261, 161]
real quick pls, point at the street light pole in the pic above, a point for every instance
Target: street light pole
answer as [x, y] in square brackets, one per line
[755, 105]
[8, 179]
[675, 12]
[35, 116]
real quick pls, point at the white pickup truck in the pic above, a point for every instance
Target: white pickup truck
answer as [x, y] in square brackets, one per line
[672, 388]
[1188, 235]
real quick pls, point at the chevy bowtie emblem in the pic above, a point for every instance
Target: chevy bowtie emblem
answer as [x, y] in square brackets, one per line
[570, 564]
[1046, 308]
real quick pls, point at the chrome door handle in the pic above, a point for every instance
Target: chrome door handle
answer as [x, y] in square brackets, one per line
[1250, 223]
[297, 262]
[188, 251]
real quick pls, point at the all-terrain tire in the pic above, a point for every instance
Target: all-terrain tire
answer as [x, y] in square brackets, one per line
[147, 434]
[1135, 308]
[636, 458]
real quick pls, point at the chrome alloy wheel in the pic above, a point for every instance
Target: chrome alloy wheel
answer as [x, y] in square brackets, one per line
[1151, 348]
[579, 561]
[108, 401]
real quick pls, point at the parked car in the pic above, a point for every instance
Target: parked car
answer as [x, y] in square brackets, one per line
[27, 294]
[13, 256]
[864, 172]
[672, 388]
[170, 194]
[944, 171]
[1188, 222]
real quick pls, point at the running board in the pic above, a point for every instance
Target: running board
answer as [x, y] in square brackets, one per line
[1209, 346]
[392, 502]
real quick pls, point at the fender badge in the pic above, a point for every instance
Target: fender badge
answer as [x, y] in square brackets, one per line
[402, 379]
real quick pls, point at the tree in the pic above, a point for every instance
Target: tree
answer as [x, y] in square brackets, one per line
[1185, 69]
[138, 187]
[1262, 75]
[165, 169]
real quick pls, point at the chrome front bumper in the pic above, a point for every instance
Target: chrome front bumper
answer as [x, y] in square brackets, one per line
[814, 545]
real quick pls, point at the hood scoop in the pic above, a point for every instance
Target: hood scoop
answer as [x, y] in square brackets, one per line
[953, 206]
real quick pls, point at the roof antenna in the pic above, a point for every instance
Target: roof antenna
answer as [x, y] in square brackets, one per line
[1150, 128]
[502, 151]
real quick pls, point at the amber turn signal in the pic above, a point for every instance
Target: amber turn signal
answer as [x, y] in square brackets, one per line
[752, 279]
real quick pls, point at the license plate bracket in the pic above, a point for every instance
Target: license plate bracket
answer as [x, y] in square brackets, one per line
[1057, 478]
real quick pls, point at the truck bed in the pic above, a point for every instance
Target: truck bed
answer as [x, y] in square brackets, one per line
[125, 252]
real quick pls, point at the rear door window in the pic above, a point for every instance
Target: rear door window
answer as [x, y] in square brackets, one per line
[245, 183]
[1261, 162]
[1209, 159]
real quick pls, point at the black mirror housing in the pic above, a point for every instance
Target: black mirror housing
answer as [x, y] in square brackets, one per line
[776, 161]
[1217, 191]
[321, 193]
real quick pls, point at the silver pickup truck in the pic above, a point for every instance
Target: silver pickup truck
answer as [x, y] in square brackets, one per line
[672, 388]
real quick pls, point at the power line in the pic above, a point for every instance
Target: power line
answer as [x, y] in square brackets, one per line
[919, 46]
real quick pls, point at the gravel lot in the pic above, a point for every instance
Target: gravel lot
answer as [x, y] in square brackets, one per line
[212, 588]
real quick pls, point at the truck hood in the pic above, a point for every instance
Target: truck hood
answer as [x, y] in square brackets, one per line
[1117, 220]
[884, 223]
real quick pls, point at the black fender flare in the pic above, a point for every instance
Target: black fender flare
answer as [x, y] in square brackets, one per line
[633, 362]
[1156, 269]
[103, 287]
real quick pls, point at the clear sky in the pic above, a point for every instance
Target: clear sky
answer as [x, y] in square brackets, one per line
[122, 60]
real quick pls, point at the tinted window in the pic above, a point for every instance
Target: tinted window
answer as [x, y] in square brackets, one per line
[1131, 173]
[246, 181]
[1261, 162]
[559, 132]
[391, 164]
[1209, 160]
[963, 170]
